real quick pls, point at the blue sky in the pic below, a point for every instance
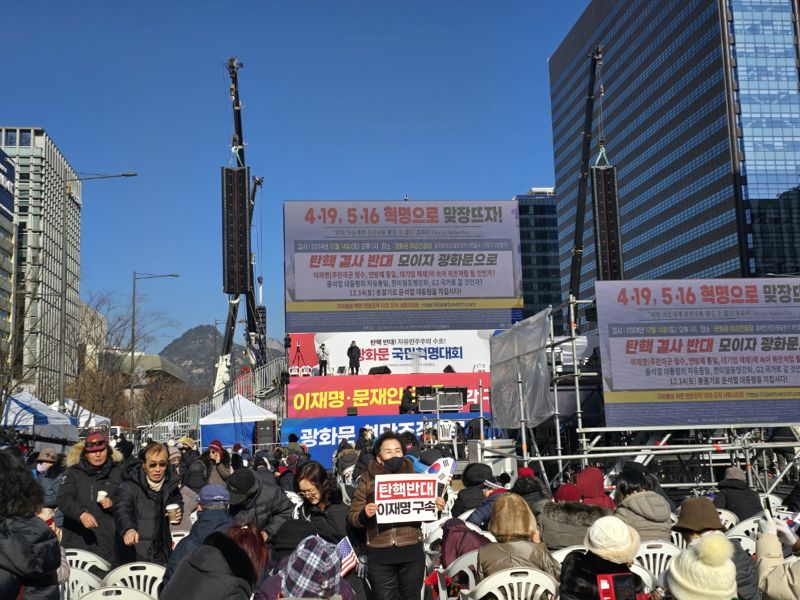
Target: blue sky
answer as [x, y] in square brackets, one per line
[346, 99]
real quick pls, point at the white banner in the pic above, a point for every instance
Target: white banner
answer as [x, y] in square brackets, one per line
[405, 498]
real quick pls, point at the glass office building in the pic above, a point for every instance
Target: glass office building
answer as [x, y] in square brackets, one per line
[701, 115]
[538, 235]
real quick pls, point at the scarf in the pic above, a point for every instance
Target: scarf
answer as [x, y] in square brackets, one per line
[155, 486]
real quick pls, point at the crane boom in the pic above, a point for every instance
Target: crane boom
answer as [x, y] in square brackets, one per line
[580, 212]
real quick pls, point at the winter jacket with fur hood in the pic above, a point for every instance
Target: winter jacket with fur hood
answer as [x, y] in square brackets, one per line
[217, 569]
[140, 508]
[30, 557]
[648, 513]
[564, 524]
[78, 494]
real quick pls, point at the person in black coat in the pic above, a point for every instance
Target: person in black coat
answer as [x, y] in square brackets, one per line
[140, 513]
[474, 492]
[734, 495]
[253, 502]
[225, 566]
[92, 467]
[354, 354]
[29, 551]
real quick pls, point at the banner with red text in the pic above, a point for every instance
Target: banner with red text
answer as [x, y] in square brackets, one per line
[707, 351]
[405, 498]
[374, 394]
[385, 266]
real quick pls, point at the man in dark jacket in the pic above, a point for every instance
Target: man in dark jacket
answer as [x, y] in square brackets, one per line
[698, 516]
[87, 494]
[212, 515]
[49, 474]
[474, 492]
[735, 496]
[354, 354]
[253, 502]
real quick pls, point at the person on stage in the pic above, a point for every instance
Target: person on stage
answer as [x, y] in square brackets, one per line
[408, 403]
[322, 355]
[354, 354]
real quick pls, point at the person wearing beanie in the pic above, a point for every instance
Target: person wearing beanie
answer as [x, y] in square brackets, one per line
[698, 516]
[253, 502]
[591, 483]
[474, 493]
[565, 521]
[216, 462]
[704, 570]
[641, 508]
[518, 541]
[213, 515]
[611, 547]
[735, 495]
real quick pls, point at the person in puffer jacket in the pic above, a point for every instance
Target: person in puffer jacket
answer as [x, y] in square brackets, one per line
[641, 508]
[140, 513]
[734, 495]
[29, 551]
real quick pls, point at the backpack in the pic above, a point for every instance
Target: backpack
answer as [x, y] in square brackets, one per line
[458, 539]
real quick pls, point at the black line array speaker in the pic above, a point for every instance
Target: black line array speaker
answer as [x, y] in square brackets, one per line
[236, 271]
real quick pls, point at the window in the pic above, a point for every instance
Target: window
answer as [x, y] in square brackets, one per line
[11, 137]
[25, 137]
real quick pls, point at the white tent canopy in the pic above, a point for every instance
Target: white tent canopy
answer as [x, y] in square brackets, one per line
[25, 412]
[86, 418]
[233, 422]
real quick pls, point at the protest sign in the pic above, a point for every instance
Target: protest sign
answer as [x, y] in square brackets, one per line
[405, 498]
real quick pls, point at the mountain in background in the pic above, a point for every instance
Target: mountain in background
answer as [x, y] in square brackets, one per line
[195, 352]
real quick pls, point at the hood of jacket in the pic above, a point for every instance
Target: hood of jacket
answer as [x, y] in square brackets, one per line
[590, 482]
[75, 457]
[574, 513]
[648, 505]
[27, 547]
[209, 521]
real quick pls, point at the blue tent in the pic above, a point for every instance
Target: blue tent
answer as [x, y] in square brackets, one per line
[233, 422]
[23, 411]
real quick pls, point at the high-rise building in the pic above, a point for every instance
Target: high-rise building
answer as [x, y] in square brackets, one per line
[701, 116]
[48, 218]
[538, 235]
[6, 257]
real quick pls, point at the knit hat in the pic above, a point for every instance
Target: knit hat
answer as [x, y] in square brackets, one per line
[610, 538]
[47, 455]
[214, 495]
[525, 472]
[313, 570]
[698, 514]
[215, 445]
[567, 492]
[475, 474]
[95, 441]
[185, 442]
[735, 473]
[242, 484]
[704, 570]
[174, 452]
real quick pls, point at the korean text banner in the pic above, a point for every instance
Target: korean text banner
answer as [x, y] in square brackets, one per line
[383, 266]
[322, 435]
[374, 394]
[693, 352]
[405, 498]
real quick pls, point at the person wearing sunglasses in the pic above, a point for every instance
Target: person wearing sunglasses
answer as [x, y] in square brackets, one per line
[217, 463]
[143, 501]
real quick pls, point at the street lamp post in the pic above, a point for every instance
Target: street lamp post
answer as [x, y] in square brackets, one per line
[133, 335]
[62, 346]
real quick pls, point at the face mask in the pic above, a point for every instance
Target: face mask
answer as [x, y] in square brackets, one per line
[394, 464]
[41, 467]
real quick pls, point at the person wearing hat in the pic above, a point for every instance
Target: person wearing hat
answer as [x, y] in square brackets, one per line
[481, 515]
[87, 495]
[698, 517]
[217, 463]
[474, 492]
[213, 515]
[704, 570]
[48, 473]
[284, 542]
[148, 488]
[611, 547]
[312, 571]
[322, 355]
[253, 502]
[735, 495]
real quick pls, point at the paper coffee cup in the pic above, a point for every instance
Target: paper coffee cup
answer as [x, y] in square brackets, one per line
[101, 495]
[172, 513]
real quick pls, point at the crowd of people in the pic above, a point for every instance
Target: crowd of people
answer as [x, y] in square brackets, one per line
[269, 525]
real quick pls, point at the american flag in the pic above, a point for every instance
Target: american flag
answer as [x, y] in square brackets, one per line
[348, 556]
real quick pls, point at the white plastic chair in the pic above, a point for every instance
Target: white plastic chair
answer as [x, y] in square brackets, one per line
[677, 538]
[483, 532]
[177, 536]
[747, 543]
[656, 556]
[142, 576]
[673, 518]
[294, 371]
[728, 518]
[774, 501]
[83, 559]
[465, 515]
[748, 527]
[649, 580]
[306, 371]
[514, 584]
[116, 593]
[467, 565]
[561, 554]
[81, 582]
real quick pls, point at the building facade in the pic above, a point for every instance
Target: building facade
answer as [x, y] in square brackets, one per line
[538, 234]
[48, 219]
[701, 116]
[7, 176]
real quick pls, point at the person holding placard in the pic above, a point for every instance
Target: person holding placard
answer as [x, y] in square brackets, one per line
[395, 557]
